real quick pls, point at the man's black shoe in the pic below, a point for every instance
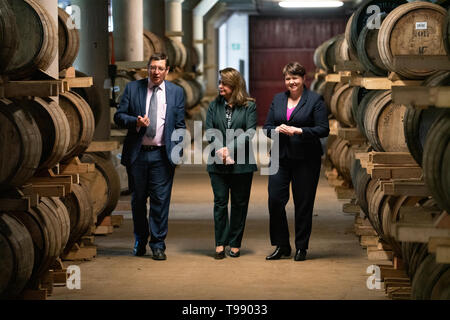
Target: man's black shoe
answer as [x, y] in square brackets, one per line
[158, 254]
[280, 252]
[300, 255]
[139, 249]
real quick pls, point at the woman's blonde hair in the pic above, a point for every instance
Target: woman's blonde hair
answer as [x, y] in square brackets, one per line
[233, 79]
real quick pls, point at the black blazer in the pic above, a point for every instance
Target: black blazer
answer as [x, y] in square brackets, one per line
[244, 118]
[132, 105]
[310, 115]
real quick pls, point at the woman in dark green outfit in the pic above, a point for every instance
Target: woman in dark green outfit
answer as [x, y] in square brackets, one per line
[231, 124]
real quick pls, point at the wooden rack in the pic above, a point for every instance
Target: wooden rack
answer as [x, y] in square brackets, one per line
[43, 88]
[370, 83]
[390, 165]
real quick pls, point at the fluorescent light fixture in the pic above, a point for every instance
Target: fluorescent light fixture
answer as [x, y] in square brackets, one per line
[311, 4]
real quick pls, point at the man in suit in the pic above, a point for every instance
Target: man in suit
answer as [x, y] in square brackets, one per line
[151, 109]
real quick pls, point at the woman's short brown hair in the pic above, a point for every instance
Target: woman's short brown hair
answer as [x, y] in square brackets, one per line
[294, 68]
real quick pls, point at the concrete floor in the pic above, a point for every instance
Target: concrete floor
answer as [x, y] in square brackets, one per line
[335, 267]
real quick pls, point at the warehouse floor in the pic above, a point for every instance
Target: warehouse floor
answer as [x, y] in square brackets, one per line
[335, 267]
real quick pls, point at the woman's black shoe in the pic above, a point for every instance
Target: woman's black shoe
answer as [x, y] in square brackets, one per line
[279, 253]
[220, 255]
[300, 255]
[235, 254]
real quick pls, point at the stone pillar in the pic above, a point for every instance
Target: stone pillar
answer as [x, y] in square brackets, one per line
[155, 17]
[128, 18]
[198, 34]
[94, 56]
[52, 8]
[174, 19]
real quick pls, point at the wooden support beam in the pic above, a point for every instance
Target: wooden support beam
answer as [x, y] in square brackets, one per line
[413, 232]
[435, 242]
[49, 190]
[75, 166]
[422, 62]
[82, 82]
[395, 172]
[422, 96]
[412, 187]
[103, 146]
[443, 254]
[41, 88]
[392, 158]
[333, 77]
[15, 204]
[65, 180]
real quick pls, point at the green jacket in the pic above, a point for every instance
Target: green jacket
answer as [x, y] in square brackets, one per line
[239, 143]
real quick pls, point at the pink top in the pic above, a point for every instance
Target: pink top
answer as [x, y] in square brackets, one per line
[158, 140]
[289, 112]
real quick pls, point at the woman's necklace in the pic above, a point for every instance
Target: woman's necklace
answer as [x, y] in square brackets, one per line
[294, 102]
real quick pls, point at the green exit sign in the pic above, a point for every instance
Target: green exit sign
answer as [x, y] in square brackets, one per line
[235, 46]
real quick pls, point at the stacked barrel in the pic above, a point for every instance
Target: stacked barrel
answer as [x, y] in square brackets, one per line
[419, 29]
[37, 134]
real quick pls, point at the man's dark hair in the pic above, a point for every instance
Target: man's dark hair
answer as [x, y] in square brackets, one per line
[158, 56]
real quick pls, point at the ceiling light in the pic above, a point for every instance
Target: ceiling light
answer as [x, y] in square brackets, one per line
[311, 4]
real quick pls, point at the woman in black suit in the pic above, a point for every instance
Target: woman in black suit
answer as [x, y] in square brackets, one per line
[231, 164]
[299, 116]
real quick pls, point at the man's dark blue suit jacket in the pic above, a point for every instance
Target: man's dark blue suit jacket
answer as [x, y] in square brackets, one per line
[132, 105]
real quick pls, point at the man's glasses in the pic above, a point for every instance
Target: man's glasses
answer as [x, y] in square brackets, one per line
[160, 69]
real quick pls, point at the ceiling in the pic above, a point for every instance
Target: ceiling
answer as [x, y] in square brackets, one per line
[271, 7]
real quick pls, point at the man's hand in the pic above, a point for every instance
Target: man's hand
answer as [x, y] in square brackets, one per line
[143, 121]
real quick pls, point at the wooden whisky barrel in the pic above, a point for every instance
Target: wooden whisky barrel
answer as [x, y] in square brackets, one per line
[441, 289]
[81, 122]
[412, 29]
[413, 254]
[59, 210]
[383, 124]
[53, 126]
[9, 39]
[79, 207]
[341, 106]
[103, 185]
[192, 91]
[92, 97]
[367, 49]
[152, 44]
[193, 59]
[417, 122]
[361, 17]
[436, 160]
[69, 40]
[20, 139]
[426, 277]
[176, 52]
[37, 228]
[38, 39]
[446, 33]
[17, 252]
[360, 181]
